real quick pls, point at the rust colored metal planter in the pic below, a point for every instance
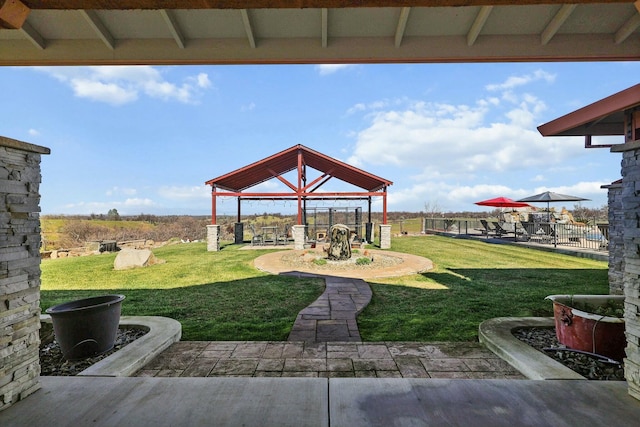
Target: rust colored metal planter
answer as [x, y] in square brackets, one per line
[86, 327]
[581, 330]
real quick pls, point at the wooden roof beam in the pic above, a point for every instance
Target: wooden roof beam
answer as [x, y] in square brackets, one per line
[247, 27]
[98, 26]
[563, 14]
[629, 27]
[478, 24]
[324, 25]
[174, 28]
[402, 25]
[278, 4]
[33, 36]
[13, 14]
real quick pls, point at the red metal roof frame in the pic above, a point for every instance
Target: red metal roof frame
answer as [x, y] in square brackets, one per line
[297, 158]
[603, 117]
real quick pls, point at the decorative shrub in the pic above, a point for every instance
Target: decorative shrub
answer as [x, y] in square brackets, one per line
[363, 261]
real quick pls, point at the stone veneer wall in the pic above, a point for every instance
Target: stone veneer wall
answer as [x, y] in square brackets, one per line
[631, 278]
[616, 242]
[19, 269]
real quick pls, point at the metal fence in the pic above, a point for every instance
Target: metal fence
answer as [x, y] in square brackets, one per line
[595, 237]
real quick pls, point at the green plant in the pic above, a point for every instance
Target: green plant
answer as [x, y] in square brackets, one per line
[363, 261]
[320, 261]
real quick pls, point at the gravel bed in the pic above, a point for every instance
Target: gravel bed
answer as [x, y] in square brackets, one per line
[316, 259]
[588, 366]
[52, 363]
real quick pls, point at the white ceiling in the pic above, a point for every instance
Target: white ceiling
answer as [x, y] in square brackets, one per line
[486, 31]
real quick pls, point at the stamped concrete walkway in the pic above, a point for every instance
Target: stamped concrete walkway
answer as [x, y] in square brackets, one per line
[332, 317]
[329, 360]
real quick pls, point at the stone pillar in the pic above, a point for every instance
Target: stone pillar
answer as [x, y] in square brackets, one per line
[298, 236]
[385, 236]
[238, 233]
[213, 238]
[615, 239]
[631, 276]
[19, 269]
[368, 233]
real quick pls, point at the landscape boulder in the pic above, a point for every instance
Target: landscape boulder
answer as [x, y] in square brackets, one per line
[134, 258]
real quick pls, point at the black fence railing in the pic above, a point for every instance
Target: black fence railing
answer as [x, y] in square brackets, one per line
[595, 237]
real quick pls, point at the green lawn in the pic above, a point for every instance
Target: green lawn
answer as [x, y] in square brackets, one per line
[220, 296]
[214, 295]
[472, 281]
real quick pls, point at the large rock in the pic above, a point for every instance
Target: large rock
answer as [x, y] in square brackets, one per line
[134, 258]
[339, 246]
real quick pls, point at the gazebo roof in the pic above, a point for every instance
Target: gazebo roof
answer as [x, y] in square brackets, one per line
[286, 161]
[603, 117]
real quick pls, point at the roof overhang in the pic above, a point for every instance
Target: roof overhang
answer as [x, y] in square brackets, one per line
[290, 159]
[101, 32]
[602, 118]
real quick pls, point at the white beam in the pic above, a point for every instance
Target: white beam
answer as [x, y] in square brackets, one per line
[33, 36]
[478, 24]
[557, 21]
[247, 27]
[627, 29]
[100, 29]
[402, 25]
[325, 26]
[174, 28]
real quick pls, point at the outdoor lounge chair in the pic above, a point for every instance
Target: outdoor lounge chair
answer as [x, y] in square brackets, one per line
[256, 239]
[500, 231]
[548, 232]
[487, 228]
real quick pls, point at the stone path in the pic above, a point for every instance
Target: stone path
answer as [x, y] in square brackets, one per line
[332, 317]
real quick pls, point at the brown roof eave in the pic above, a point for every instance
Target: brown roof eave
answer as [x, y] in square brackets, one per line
[594, 112]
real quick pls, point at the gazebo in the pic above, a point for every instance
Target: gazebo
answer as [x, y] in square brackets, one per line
[304, 161]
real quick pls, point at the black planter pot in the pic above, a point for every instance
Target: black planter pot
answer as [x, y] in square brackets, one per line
[86, 327]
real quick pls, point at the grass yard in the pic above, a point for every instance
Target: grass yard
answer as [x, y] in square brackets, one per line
[220, 296]
[472, 281]
[214, 295]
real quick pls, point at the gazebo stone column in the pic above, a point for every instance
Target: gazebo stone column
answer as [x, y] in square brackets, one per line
[238, 233]
[631, 277]
[213, 238]
[385, 236]
[298, 236]
[20, 239]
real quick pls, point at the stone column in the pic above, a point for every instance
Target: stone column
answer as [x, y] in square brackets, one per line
[615, 239]
[298, 236]
[385, 236]
[213, 238]
[631, 276]
[238, 233]
[19, 269]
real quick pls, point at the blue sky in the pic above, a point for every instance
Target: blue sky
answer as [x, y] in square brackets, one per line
[145, 139]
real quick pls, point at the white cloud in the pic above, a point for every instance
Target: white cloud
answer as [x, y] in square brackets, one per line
[516, 81]
[249, 107]
[183, 193]
[325, 69]
[124, 191]
[449, 140]
[118, 85]
[33, 132]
